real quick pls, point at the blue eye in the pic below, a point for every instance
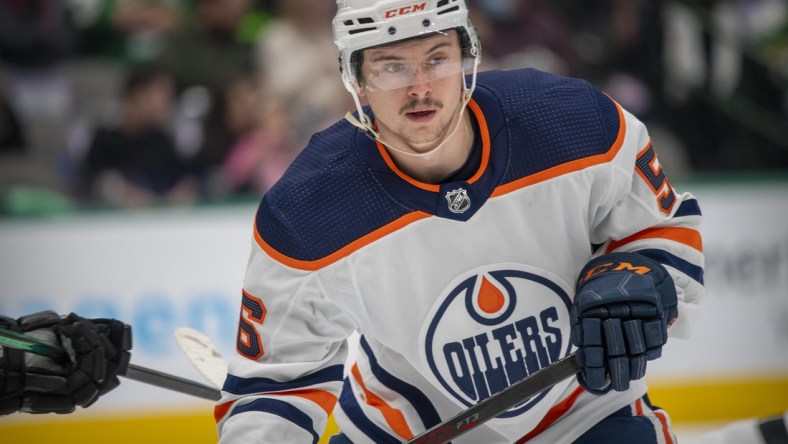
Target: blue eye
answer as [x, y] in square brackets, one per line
[436, 61]
[394, 69]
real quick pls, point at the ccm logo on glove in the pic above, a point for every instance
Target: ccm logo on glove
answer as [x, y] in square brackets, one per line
[623, 307]
[611, 266]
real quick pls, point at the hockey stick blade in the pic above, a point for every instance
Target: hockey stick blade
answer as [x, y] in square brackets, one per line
[202, 354]
[498, 403]
[21, 341]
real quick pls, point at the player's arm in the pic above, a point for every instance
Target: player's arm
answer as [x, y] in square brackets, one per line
[287, 374]
[646, 277]
[98, 351]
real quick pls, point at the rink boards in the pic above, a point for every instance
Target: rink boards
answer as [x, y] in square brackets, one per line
[161, 269]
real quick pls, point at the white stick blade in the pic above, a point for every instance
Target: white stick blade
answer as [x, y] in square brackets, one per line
[202, 354]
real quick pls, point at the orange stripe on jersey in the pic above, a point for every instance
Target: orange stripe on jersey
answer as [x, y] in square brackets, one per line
[639, 407]
[394, 418]
[568, 167]
[477, 112]
[322, 398]
[220, 410]
[686, 236]
[665, 429]
[485, 132]
[344, 251]
[325, 400]
[552, 416]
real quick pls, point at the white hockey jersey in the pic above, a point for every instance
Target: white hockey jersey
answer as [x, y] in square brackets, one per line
[458, 289]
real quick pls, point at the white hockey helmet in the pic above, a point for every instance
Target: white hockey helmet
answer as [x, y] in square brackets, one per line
[363, 24]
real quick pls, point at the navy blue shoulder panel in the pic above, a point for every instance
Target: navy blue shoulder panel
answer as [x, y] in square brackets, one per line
[329, 198]
[325, 200]
[551, 119]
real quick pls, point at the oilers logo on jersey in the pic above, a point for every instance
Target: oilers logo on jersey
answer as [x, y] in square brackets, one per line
[493, 327]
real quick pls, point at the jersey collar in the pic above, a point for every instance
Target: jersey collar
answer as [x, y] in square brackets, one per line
[457, 200]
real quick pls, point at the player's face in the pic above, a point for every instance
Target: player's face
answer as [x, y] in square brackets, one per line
[414, 89]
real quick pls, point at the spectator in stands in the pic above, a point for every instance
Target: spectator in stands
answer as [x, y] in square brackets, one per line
[136, 163]
[129, 30]
[35, 32]
[520, 33]
[205, 55]
[264, 144]
[299, 64]
[37, 37]
[11, 136]
[720, 76]
[204, 49]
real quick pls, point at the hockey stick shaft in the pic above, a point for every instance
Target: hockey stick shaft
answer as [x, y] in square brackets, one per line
[498, 403]
[171, 382]
[30, 344]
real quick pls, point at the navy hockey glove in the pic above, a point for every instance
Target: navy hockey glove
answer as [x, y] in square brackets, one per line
[623, 307]
[98, 351]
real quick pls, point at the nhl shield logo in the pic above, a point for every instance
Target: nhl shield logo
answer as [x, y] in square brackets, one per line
[459, 201]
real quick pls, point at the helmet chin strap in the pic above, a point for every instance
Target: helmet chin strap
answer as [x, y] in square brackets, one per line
[365, 123]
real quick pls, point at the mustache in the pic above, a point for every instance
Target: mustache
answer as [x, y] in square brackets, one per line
[413, 104]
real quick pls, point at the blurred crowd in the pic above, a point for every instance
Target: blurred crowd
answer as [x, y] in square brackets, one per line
[132, 103]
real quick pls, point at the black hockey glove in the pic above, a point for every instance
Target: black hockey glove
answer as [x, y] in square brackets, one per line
[624, 304]
[98, 350]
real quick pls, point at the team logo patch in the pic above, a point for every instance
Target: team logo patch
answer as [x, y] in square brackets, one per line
[459, 201]
[494, 327]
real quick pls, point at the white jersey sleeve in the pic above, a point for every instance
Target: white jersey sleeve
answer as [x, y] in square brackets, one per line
[638, 210]
[287, 373]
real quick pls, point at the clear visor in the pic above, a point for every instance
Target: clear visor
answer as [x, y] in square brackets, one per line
[396, 74]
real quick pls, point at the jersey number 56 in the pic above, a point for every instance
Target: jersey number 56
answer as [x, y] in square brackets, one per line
[248, 342]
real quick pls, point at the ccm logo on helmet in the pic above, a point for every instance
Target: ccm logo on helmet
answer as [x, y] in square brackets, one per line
[405, 10]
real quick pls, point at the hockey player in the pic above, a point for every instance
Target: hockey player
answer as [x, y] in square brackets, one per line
[98, 350]
[473, 229]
